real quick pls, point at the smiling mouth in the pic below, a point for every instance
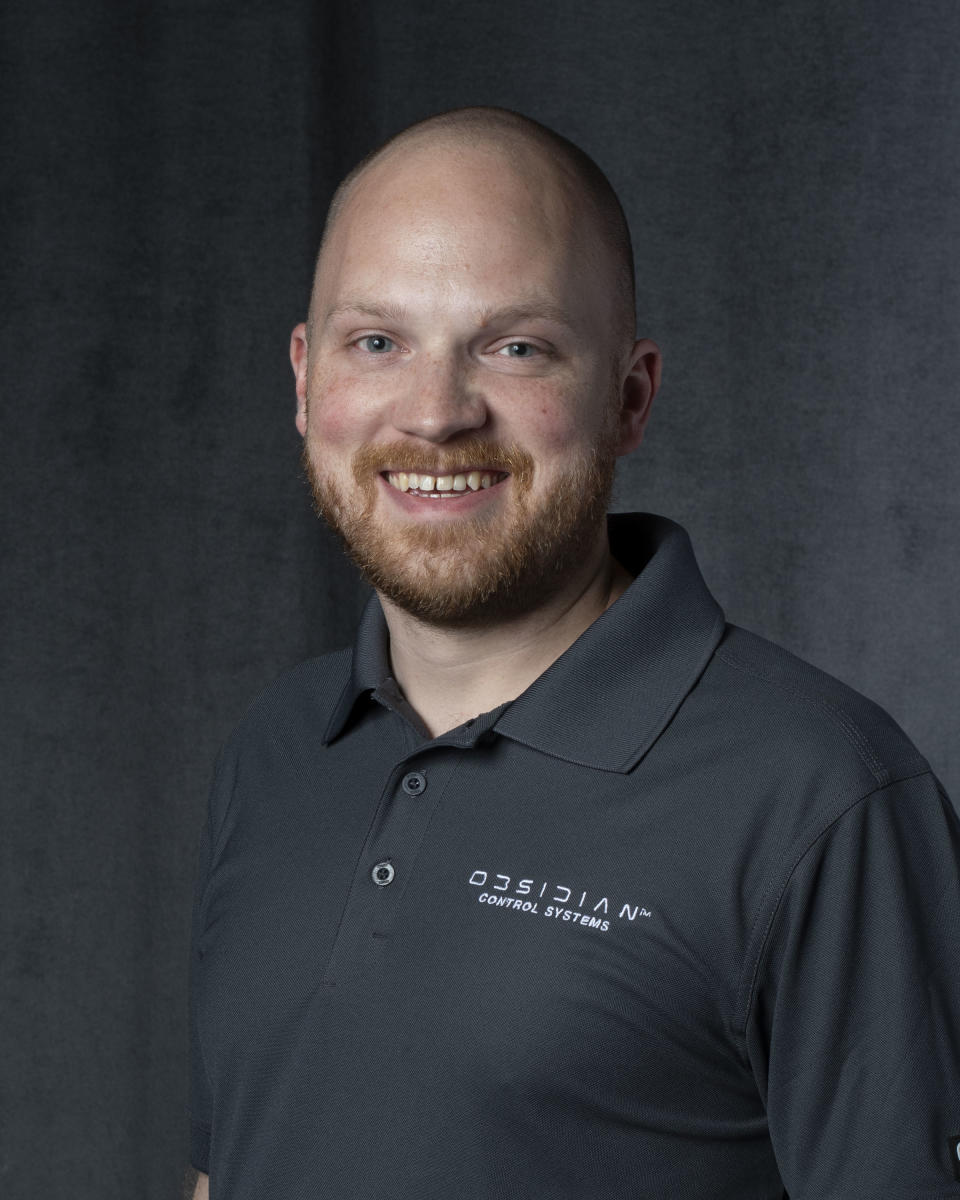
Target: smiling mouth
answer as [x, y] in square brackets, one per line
[443, 487]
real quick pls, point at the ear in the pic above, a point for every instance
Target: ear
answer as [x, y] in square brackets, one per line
[298, 360]
[637, 391]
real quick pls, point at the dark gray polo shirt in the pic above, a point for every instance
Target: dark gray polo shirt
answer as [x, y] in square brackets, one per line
[681, 921]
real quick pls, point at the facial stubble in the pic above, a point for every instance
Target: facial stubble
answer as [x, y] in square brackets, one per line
[481, 570]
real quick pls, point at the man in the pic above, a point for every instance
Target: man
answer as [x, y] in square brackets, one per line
[556, 885]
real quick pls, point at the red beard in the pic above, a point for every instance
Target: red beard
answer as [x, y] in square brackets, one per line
[478, 571]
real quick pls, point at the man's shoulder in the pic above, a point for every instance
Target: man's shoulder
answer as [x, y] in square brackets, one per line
[303, 695]
[804, 712]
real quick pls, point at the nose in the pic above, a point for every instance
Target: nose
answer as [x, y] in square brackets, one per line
[438, 401]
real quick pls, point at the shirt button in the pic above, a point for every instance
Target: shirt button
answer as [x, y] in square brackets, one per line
[382, 874]
[414, 783]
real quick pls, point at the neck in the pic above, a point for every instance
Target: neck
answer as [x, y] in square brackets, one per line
[451, 675]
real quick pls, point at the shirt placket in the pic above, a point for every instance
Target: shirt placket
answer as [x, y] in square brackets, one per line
[410, 795]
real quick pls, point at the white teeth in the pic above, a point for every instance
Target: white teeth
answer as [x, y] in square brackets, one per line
[441, 486]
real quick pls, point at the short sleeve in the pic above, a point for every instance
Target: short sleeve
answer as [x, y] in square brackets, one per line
[201, 1100]
[853, 1029]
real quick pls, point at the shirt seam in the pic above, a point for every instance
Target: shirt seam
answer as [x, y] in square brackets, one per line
[848, 726]
[217, 827]
[201, 913]
[754, 971]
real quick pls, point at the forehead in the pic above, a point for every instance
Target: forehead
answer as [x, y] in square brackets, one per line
[479, 217]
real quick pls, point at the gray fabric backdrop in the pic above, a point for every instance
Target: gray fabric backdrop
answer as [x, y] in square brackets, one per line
[791, 173]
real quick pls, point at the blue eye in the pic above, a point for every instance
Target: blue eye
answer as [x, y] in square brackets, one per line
[376, 343]
[519, 350]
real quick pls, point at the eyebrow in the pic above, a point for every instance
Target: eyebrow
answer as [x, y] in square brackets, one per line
[383, 312]
[530, 308]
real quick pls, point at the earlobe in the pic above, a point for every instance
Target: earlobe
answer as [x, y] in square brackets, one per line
[639, 387]
[298, 360]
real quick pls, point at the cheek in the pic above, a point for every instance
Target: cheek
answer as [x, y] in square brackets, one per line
[553, 419]
[339, 410]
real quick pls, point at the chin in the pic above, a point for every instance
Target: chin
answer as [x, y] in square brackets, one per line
[473, 573]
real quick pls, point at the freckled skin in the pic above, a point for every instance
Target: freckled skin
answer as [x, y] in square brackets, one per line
[443, 240]
[410, 234]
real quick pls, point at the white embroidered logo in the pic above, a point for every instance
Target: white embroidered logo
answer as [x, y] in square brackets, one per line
[526, 896]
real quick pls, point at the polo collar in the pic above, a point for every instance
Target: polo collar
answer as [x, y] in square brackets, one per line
[369, 670]
[607, 698]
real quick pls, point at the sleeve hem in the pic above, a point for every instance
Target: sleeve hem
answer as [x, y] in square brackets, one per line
[200, 1147]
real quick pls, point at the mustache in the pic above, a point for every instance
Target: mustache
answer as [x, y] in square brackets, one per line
[442, 460]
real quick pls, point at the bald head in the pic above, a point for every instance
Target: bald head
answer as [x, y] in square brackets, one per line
[558, 172]
[472, 313]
